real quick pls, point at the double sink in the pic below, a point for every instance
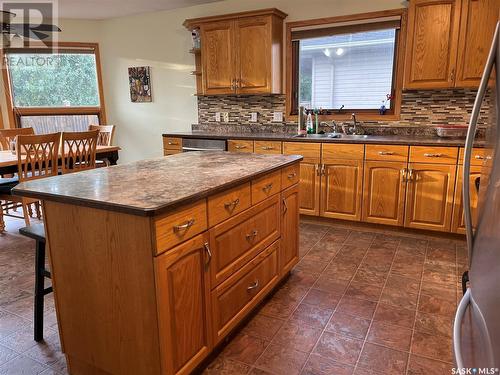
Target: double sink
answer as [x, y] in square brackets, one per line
[331, 135]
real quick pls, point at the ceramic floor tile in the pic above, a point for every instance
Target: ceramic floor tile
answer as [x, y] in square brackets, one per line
[433, 323]
[436, 305]
[263, 326]
[395, 337]
[432, 346]
[339, 348]
[331, 284]
[348, 325]
[281, 360]
[245, 348]
[313, 316]
[322, 299]
[297, 336]
[425, 366]
[318, 365]
[387, 314]
[357, 307]
[21, 365]
[384, 360]
[226, 366]
[363, 290]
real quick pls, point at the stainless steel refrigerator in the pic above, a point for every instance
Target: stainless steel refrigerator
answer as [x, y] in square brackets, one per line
[476, 333]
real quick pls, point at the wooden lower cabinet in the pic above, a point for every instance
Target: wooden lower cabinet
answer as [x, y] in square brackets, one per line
[289, 255]
[429, 198]
[183, 295]
[341, 189]
[309, 188]
[458, 221]
[240, 145]
[384, 192]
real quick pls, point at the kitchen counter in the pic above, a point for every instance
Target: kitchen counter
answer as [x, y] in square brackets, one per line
[149, 187]
[390, 139]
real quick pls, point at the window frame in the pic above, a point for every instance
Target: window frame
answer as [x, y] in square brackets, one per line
[292, 64]
[15, 113]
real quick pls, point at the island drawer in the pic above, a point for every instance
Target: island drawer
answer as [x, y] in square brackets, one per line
[233, 299]
[267, 147]
[386, 152]
[290, 175]
[477, 158]
[236, 241]
[310, 151]
[434, 155]
[228, 203]
[266, 186]
[239, 145]
[343, 151]
[172, 143]
[186, 222]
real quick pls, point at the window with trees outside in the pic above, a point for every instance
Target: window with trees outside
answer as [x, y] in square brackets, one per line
[55, 90]
[346, 67]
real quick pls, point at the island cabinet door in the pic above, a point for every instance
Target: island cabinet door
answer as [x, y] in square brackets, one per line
[218, 57]
[429, 198]
[458, 221]
[341, 189]
[183, 303]
[289, 255]
[384, 192]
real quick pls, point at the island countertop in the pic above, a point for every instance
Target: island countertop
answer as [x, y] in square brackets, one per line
[149, 187]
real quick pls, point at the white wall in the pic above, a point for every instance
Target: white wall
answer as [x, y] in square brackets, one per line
[159, 40]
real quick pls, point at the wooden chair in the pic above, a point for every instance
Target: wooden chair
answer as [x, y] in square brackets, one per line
[79, 150]
[37, 157]
[106, 134]
[8, 135]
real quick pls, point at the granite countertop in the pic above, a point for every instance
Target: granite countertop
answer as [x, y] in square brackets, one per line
[150, 187]
[388, 139]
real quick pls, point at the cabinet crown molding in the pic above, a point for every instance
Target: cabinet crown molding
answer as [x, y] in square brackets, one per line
[194, 23]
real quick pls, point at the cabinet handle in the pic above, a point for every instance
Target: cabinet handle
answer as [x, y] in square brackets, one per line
[428, 155]
[479, 157]
[452, 75]
[252, 235]
[239, 147]
[404, 173]
[209, 253]
[238, 82]
[173, 143]
[291, 176]
[232, 205]
[253, 286]
[285, 206]
[233, 84]
[410, 175]
[323, 169]
[317, 169]
[266, 148]
[187, 225]
[267, 188]
[384, 153]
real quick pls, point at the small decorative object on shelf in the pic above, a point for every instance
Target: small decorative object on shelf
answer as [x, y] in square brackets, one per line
[140, 84]
[195, 34]
[383, 107]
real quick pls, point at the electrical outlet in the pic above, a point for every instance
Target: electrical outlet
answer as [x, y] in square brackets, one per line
[253, 117]
[217, 116]
[278, 117]
[225, 116]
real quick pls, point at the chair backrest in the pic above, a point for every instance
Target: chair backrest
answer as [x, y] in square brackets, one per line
[79, 150]
[37, 155]
[106, 134]
[7, 135]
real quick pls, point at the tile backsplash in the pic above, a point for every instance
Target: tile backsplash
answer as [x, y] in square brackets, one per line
[421, 111]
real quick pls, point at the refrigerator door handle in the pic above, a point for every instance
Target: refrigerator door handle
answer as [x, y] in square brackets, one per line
[471, 134]
[457, 345]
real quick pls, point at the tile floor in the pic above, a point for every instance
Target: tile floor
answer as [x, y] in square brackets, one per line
[361, 301]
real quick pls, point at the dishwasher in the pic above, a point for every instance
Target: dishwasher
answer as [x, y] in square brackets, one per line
[200, 144]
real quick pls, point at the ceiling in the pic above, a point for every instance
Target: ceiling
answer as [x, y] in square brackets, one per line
[102, 9]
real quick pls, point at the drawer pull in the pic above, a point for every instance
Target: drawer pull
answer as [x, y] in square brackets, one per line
[239, 147]
[291, 176]
[267, 188]
[187, 225]
[252, 235]
[316, 166]
[232, 205]
[266, 148]
[479, 157]
[383, 153]
[255, 285]
[404, 173]
[209, 253]
[410, 175]
[173, 143]
[427, 155]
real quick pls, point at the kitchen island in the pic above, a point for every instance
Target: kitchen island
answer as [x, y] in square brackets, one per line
[155, 262]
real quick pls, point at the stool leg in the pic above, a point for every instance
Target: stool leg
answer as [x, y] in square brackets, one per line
[39, 288]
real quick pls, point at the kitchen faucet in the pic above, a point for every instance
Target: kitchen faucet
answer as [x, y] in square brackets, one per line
[356, 128]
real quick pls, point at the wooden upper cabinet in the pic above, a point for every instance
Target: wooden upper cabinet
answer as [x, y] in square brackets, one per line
[218, 57]
[183, 292]
[477, 26]
[431, 50]
[241, 53]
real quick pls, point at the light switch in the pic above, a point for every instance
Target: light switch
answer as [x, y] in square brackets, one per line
[253, 117]
[278, 117]
[217, 116]
[225, 116]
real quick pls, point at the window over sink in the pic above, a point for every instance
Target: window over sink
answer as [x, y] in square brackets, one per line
[347, 64]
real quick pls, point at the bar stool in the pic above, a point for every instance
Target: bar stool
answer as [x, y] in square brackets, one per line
[37, 232]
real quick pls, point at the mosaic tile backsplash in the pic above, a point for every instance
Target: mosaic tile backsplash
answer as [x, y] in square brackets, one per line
[421, 111]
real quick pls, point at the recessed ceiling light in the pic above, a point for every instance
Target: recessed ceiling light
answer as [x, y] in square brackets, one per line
[327, 52]
[339, 51]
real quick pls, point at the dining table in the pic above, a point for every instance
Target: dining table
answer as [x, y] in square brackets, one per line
[8, 160]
